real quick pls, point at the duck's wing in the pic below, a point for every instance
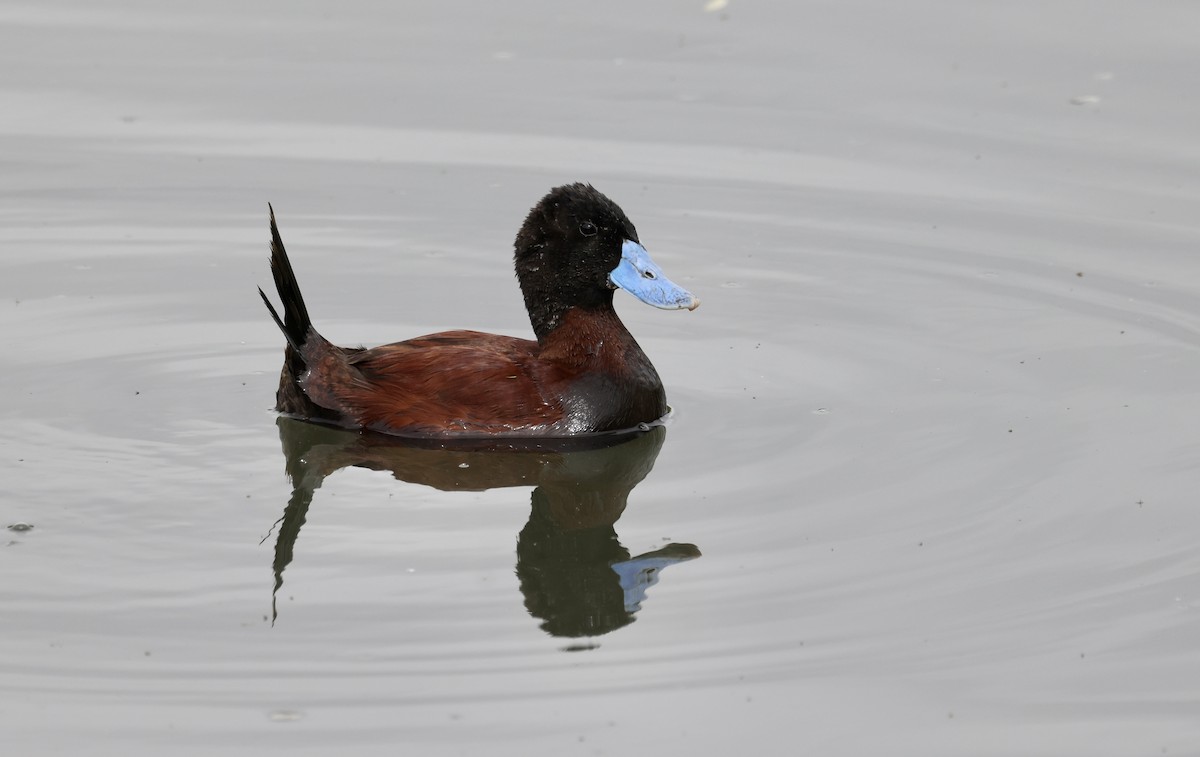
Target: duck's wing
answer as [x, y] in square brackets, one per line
[456, 382]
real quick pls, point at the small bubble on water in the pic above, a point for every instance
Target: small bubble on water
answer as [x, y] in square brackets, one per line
[20, 527]
[285, 716]
[1085, 100]
[821, 411]
[464, 465]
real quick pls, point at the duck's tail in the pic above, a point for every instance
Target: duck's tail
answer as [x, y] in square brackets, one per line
[295, 323]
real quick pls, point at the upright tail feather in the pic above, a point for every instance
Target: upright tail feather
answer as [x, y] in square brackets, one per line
[295, 323]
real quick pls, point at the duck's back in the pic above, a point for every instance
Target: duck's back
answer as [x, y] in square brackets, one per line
[452, 382]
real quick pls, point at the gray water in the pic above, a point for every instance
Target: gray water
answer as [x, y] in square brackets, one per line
[929, 487]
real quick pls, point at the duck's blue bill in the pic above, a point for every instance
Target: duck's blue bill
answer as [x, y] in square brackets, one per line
[641, 277]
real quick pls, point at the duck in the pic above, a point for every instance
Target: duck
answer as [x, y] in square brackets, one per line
[582, 374]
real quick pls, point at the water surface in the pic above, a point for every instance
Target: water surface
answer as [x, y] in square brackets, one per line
[930, 483]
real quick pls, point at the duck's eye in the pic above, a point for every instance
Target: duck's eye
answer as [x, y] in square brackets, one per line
[587, 228]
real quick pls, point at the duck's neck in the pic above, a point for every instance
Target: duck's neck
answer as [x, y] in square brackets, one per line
[585, 336]
[547, 314]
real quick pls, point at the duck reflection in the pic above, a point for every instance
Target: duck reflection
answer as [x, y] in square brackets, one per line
[575, 575]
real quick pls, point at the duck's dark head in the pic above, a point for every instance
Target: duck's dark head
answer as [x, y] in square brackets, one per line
[575, 247]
